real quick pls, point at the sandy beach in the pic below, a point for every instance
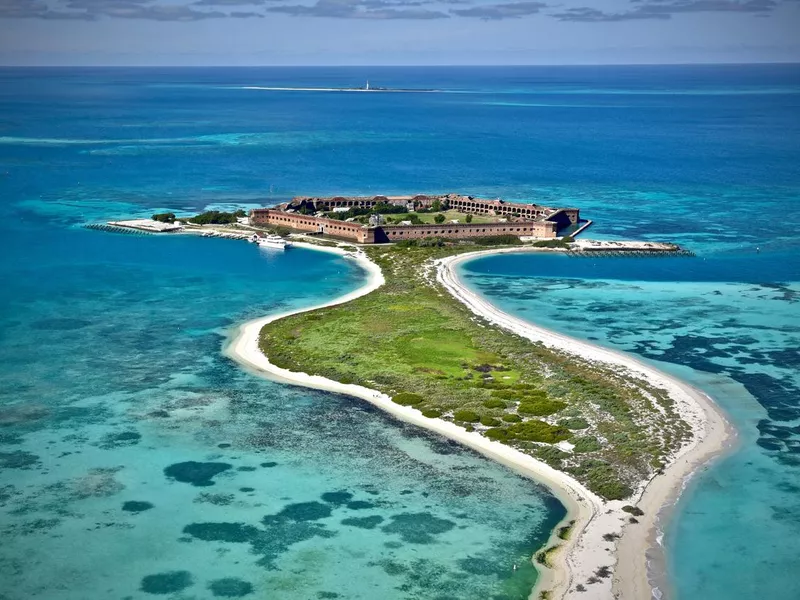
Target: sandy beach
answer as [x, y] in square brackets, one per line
[580, 557]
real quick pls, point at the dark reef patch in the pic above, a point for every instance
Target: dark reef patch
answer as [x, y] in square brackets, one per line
[246, 469]
[269, 465]
[360, 505]
[120, 440]
[337, 498]
[247, 489]
[230, 587]
[215, 499]
[364, 522]
[10, 439]
[136, 506]
[167, 583]
[19, 459]
[302, 511]
[237, 533]
[418, 528]
[200, 474]
[22, 413]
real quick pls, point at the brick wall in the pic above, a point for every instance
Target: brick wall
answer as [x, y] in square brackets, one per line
[395, 233]
[331, 227]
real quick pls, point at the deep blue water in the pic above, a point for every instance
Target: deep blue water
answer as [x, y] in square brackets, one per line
[115, 395]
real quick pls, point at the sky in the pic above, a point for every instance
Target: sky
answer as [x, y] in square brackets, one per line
[396, 32]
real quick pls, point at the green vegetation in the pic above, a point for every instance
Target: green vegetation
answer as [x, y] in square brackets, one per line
[545, 557]
[586, 444]
[467, 416]
[556, 243]
[164, 217]
[497, 240]
[634, 510]
[438, 219]
[493, 403]
[426, 217]
[565, 531]
[412, 341]
[574, 423]
[215, 217]
[407, 399]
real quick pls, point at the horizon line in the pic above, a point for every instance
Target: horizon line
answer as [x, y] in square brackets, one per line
[400, 66]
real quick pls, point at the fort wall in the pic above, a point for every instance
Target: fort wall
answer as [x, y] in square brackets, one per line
[396, 233]
[332, 227]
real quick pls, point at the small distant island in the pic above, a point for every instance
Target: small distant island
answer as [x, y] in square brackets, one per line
[365, 88]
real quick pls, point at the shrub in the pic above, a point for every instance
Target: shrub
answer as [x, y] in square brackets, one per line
[611, 490]
[407, 399]
[551, 455]
[489, 421]
[586, 444]
[215, 217]
[574, 423]
[551, 244]
[468, 218]
[497, 240]
[494, 404]
[498, 433]
[164, 217]
[540, 408]
[467, 416]
[634, 510]
[512, 418]
[538, 431]
[439, 219]
[432, 413]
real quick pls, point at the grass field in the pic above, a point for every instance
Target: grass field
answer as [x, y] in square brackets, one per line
[413, 341]
[450, 215]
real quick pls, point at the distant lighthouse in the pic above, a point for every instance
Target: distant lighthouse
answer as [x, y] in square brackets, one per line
[366, 87]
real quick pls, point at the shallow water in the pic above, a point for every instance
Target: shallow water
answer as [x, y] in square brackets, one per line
[126, 433]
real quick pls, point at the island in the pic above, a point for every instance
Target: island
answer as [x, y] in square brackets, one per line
[612, 437]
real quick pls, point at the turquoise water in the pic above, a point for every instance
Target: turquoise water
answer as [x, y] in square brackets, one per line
[727, 322]
[136, 460]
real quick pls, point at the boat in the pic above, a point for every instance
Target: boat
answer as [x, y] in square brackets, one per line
[274, 241]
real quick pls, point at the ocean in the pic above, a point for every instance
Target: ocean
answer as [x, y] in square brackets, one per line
[137, 460]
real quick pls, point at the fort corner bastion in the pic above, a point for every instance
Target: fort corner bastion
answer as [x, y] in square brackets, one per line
[312, 214]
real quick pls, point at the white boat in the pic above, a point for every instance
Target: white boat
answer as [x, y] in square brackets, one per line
[274, 241]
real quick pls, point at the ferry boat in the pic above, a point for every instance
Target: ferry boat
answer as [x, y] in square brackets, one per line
[273, 241]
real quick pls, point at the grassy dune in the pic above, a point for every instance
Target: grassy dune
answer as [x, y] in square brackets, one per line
[413, 341]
